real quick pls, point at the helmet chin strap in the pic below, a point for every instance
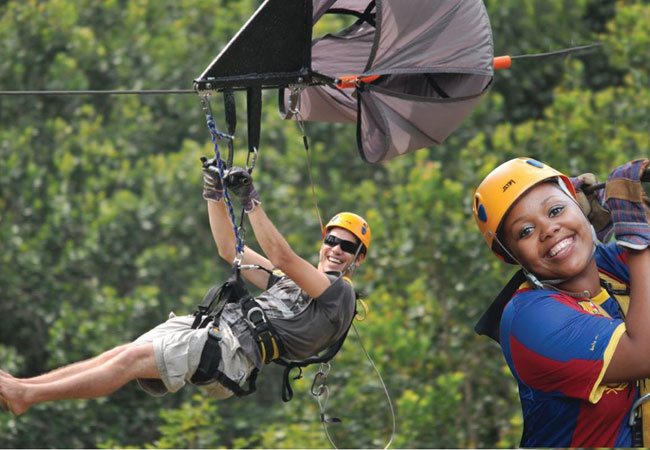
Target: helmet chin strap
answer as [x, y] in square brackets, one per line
[349, 269]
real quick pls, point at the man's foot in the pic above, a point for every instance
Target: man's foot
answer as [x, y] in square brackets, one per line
[11, 397]
[3, 404]
[6, 374]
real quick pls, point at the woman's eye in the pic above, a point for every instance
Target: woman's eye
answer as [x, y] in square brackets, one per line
[525, 231]
[554, 211]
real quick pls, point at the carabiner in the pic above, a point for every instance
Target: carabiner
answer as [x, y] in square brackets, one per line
[635, 411]
[294, 99]
[248, 159]
[319, 384]
[205, 104]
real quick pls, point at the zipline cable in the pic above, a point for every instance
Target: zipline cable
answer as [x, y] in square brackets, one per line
[559, 52]
[503, 62]
[103, 92]
[383, 385]
[319, 389]
[294, 108]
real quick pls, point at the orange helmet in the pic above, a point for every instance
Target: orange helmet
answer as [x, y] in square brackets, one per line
[354, 224]
[502, 188]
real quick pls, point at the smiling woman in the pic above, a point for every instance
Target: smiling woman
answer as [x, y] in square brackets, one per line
[573, 324]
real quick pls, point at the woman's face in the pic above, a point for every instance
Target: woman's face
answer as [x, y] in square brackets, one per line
[548, 234]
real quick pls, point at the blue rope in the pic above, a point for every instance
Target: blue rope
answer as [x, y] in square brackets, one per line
[215, 135]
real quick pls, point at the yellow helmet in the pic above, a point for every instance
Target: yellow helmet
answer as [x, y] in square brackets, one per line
[502, 188]
[355, 224]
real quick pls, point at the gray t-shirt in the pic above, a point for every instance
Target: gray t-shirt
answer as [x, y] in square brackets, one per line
[306, 326]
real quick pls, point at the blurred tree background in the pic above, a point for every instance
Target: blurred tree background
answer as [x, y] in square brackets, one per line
[103, 230]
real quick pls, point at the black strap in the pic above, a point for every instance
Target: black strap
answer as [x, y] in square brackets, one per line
[207, 306]
[612, 291]
[232, 291]
[208, 370]
[254, 111]
[490, 321]
[637, 432]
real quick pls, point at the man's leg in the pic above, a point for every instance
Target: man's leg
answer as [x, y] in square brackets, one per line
[96, 381]
[72, 369]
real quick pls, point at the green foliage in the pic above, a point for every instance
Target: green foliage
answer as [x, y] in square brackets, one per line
[530, 27]
[103, 230]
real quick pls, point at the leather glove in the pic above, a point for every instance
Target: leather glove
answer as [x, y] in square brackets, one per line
[628, 203]
[592, 202]
[240, 183]
[212, 187]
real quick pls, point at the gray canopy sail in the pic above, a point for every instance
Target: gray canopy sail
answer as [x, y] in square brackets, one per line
[434, 62]
[414, 68]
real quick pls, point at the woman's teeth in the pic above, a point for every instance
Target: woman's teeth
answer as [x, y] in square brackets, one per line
[557, 248]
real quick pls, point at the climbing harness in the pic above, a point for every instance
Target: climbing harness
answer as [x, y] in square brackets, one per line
[268, 342]
[208, 313]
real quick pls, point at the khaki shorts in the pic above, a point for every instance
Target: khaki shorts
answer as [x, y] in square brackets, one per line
[177, 349]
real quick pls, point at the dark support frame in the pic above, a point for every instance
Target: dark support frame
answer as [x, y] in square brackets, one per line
[273, 49]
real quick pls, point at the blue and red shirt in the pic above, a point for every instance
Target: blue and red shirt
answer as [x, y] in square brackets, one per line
[558, 349]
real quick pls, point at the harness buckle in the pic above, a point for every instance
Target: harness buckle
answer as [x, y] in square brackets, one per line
[251, 321]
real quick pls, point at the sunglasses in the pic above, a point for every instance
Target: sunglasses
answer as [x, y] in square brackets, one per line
[346, 246]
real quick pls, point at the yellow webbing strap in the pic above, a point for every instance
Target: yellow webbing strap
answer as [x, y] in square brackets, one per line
[366, 311]
[364, 305]
[274, 343]
[276, 350]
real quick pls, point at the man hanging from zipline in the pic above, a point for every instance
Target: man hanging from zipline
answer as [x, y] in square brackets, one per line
[302, 311]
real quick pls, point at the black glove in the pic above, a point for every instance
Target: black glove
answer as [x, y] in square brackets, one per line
[628, 203]
[212, 187]
[240, 183]
[592, 201]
